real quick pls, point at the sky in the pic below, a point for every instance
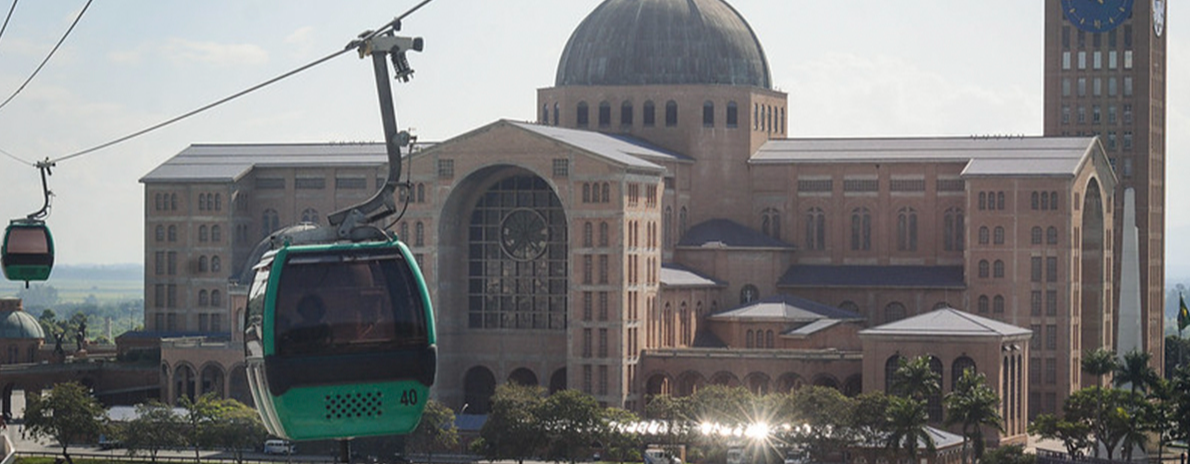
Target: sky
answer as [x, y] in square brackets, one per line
[870, 68]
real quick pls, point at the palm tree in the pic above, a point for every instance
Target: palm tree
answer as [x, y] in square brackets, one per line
[1099, 362]
[1135, 371]
[974, 405]
[915, 379]
[907, 420]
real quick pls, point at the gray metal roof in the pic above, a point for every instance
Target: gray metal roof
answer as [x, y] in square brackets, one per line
[811, 328]
[873, 276]
[230, 162]
[654, 42]
[675, 276]
[623, 150]
[786, 308]
[728, 233]
[16, 324]
[982, 156]
[946, 322]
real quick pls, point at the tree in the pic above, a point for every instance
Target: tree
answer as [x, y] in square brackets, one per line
[671, 411]
[1135, 371]
[571, 421]
[974, 405]
[513, 430]
[869, 421]
[235, 427]
[619, 444]
[67, 413]
[827, 416]
[1108, 412]
[915, 379]
[1073, 434]
[155, 427]
[1012, 453]
[1099, 362]
[907, 419]
[436, 431]
[1180, 401]
[199, 417]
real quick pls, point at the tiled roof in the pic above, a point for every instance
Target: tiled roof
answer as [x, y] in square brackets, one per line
[785, 308]
[707, 340]
[624, 150]
[872, 276]
[946, 322]
[728, 233]
[983, 156]
[673, 275]
[230, 162]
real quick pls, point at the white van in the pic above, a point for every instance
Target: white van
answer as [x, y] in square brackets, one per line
[279, 446]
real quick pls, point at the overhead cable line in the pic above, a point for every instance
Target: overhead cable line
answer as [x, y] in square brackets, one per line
[47, 58]
[394, 24]
[6, 18]
[19, 159]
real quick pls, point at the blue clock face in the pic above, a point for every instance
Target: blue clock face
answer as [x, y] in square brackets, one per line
[1097, 15]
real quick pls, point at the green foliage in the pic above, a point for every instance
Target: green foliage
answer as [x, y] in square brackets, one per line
[973, 404]
[1099, 362]
[572, 421]
[1135, 371]
[68, 413]
[156, 427]
[513, 430]
[619, 445]
[907, 422]
[1013, 453]
[1073, 434]
[436, 431]
[825, 418]
[235, 427]
[915, 379]
[199, 418]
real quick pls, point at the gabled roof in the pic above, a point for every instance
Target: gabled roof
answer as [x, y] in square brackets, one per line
[728, 233]
[785, 308]
[623, 150]
[704, 339]
[673, 275]
[873, 276]
[946, 322]
[230, 162]
[982, 156]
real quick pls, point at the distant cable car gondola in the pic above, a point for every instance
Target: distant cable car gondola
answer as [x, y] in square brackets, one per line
[339, 331]
[27, 253]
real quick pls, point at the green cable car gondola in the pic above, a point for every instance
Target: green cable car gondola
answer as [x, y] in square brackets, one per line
[340, 340]
[28, 251]
[339, 335]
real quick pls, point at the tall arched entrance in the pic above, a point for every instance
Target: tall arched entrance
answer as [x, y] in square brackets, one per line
[1092, 304]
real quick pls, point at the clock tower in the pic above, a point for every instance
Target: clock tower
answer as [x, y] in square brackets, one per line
[1105, 74]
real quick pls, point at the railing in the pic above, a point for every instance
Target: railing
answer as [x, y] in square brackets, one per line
[144, 458]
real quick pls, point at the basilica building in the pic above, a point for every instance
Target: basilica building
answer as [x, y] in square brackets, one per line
[658, 228]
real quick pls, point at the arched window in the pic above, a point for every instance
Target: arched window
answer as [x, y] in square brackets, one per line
[216, 264]
[749, 294]
[605, 114]
[404, 231]
[216, 298]
[203, 298]
[556, 113]
[890, 372]
[586, 192]
[983, 304]
[218, 202]
[894, 311]
[770, 223]
[667, 227]
[998, 269]
[202, 264]
[607, 193]
[708, 114]
[861, 229]
[649, 114]
[310, 215]
[1000, 200]
[160, 233]
[682, 222]
[1035, 234]
[545, 113]
[210, 202]
[733, 115]
[1054, 200]
[953, 230]
[1051, 236]
[581, 117]
[419, 234]
[173, 233]
[815, 229]
[768, 339]
[588, 234]
[626, 113]
[671, 113]
[1034, 201]
[984, 235]
[998, 235]
[684, 318]
[173, 202]
[1045, 200]
[216, 233]
[998, 304]
[907, 229]
[934, 403]
[961, 364]
[984, 267]
[749, 339]
[202, 200]
[421, 193]
[603, 234]
[983, 201]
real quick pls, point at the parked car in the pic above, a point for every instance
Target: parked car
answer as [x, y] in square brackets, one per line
[279, 447]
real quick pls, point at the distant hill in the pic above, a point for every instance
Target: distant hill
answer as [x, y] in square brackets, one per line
[117, 272]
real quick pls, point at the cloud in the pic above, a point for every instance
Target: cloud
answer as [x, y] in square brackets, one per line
[212, 53]
[300, 36]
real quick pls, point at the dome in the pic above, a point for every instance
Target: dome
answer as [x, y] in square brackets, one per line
[650, 42]
[19, 325]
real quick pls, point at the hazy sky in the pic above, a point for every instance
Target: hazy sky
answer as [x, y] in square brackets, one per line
[870, 68]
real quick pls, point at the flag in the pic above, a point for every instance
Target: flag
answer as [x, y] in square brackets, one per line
[1183, 314]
